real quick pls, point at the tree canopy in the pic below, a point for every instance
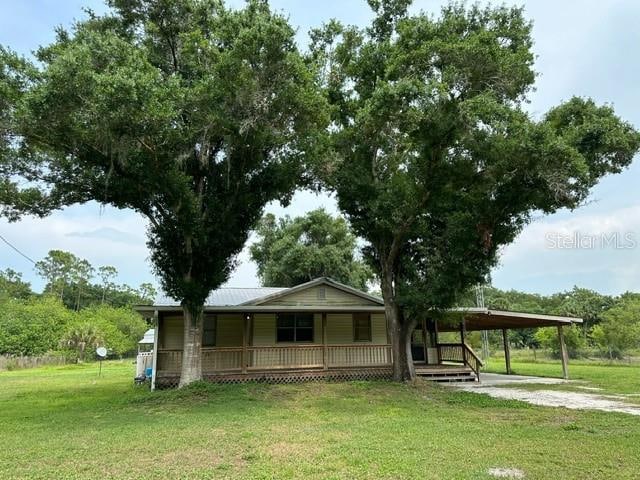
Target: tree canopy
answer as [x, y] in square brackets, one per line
[12, 286]
[437, 164]
[70, 278]
[190, 113]
[289, 251]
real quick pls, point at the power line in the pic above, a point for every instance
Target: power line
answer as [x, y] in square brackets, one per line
[16, 249]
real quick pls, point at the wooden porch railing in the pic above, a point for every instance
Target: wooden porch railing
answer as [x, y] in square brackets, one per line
[284, 357]
[450, 352]
[460, 353]
[221, 359]
[364, 355]
[280, 357]
[472, 360]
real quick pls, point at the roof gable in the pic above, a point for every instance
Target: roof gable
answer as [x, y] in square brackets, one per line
[319, 292]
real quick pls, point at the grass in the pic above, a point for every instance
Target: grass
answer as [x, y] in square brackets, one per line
[611, 378]
[65, 422]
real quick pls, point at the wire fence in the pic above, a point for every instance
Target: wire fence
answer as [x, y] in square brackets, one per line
[14, 362]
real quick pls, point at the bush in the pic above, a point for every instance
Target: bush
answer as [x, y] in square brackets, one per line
[573, 338]
[33, 326]
[81, 337]
[619, 330]
[120, 328]
[39, 325]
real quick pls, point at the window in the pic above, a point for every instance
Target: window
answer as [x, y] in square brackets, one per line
[209, 331]
[295, 327]
[321, 293]
[361, 327]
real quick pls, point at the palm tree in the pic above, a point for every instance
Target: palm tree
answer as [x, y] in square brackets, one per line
[80, 337]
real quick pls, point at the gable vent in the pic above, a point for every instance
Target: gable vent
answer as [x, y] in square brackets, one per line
[322, 293]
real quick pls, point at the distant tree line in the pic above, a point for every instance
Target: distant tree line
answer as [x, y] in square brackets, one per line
[73, 315]
[71, 279]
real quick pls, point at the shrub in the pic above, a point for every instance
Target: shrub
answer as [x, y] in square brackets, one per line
[33, 326]
[573, 338]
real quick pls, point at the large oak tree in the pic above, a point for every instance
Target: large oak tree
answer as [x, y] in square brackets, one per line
[192, 114]
[289, 251]
[437, 163]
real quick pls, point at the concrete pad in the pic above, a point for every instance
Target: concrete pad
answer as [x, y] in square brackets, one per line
[491, 384]
[492, 379]
[556, 398]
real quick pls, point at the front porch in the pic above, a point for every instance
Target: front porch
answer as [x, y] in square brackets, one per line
[320, 330]
[290, 363]
[281, 363]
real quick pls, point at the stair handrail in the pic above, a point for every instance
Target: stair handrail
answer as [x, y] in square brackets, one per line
[476, 363]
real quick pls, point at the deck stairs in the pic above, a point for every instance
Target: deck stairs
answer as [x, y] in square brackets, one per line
[446, 373]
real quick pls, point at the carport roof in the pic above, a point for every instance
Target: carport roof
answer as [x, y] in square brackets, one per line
[487, 319]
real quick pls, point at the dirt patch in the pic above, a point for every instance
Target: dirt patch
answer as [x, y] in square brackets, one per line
[556, 398]
[506, 473]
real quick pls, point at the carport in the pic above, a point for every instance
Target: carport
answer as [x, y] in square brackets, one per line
[478, 319]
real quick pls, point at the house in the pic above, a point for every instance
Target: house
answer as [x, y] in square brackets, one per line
[321, 329]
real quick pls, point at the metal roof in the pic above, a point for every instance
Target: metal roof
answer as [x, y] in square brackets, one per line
[148, 336]
[224, 297]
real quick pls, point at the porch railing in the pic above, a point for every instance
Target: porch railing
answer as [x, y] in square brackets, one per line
[358, 355]
[283, 357]
[460, 353]
[280, 357]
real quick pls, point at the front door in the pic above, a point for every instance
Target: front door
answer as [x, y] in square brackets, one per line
[417, 345]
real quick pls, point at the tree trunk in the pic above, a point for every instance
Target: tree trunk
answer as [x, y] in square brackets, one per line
[192, 347]
[400, 330]
[78, 300]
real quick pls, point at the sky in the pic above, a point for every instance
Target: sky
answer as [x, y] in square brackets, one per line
[583, 48]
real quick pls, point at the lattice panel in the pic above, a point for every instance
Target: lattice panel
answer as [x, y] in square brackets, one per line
[287, 377]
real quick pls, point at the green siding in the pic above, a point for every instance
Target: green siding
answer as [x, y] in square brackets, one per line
[171, 333]
[264, 329]
[339, 328]
[378, 328]
[229, 330]
[312, 296]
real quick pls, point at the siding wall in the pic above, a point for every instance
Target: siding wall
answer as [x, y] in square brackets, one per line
[311, 296]
[340, 328]
[378, 328]
[229, 330]
[171, 333]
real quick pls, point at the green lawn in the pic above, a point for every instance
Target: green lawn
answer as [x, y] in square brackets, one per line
[65, 422]
[616, 378]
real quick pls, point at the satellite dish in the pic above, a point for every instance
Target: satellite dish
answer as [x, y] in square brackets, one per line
[101, 351]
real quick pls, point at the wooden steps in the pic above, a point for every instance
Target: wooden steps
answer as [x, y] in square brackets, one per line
[446, 373]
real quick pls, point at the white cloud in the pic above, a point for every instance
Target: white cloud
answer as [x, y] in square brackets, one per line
[88, 232]
[532, 263]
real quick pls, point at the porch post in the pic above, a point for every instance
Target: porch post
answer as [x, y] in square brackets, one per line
[325, 356]
[424, 339]
[154, 361]
[507, 352]
[245, 338]
[563, 354]
[436, 339]
[463, 330]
